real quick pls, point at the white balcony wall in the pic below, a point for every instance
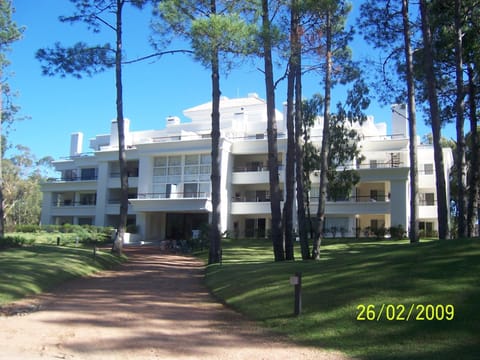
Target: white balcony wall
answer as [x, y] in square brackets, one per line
[251, 177]
[114, 182]
[427, 212]
[172, 205]
[251, 208]
[426, 181]
[65, 186]
[354, 208]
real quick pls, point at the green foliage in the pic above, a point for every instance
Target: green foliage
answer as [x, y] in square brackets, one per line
[68, 234]
[397, 232]
[76, 60]
[229, 34]
[9, 31]
[358, 272]
[22, 197]
[7, 242]
[221, 31]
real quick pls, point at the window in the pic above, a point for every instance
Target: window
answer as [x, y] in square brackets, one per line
[160, 161]
[88, 174]
[196, 190]
[192, 170]
[88, 199]
[85, 221]
[69, 175]
[190, 190]
[426, 228]
[428, 169]
[255, 228]
[427, 199]
[430, 199]
[373, 164]
[174, 161]
[191, 159]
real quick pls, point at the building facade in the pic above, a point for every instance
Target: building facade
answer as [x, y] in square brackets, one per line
[169, 176]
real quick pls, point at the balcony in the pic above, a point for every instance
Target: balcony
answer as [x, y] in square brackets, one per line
[244, 175]
[73, 208]
[250, 208]
[172, 202]
[355, 205]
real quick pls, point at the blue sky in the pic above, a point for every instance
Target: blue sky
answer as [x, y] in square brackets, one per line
[153, 90]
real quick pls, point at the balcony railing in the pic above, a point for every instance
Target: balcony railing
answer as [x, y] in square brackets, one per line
[70, 203]
[73, 178]
[247, 168]
[130, 173]
[356, 199]
[175, 195]
[381, 165]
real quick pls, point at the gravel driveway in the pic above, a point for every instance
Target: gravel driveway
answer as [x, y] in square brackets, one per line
[154, 307]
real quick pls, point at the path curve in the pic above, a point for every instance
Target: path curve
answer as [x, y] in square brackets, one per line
[155, 306]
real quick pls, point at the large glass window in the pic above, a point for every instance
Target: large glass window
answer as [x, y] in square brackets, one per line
[192, 170]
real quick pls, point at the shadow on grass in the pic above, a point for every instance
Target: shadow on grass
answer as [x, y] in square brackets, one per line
[368, 273]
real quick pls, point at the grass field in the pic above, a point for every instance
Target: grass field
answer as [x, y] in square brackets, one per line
[355, 273]
[34, 269]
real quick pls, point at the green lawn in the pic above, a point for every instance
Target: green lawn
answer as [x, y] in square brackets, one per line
[352, 273]
[33, 269]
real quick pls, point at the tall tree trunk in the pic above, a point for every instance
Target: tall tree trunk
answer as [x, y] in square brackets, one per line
[2, 216]
[442, 206]
[118, 243]
[412, 128]
[290, 162]
[459, 109]
[301, 217]
[324, 152]
[473, 174]
[290, 166]
[275, 193]
[215, 231]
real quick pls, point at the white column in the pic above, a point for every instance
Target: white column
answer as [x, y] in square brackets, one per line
[145, 174]
[226, 165]
[102, 193]
[47, 203]
[141, 222]
[399, 203]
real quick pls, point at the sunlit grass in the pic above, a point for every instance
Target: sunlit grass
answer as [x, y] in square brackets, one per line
[34, 269]
[360, 272]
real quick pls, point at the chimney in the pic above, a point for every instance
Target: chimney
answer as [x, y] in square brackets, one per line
[399, 121]
[114, 131]
[76, 141]
[173, 120]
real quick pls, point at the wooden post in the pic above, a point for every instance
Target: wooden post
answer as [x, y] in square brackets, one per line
[297, 282]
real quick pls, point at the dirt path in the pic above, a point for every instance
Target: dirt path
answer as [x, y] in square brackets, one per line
[153, 307]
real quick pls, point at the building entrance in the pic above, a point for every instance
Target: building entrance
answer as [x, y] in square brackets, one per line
[180, 225]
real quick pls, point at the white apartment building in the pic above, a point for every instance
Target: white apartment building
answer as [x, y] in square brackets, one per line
[169, 176]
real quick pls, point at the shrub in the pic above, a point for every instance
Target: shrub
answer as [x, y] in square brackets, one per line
[398, 232]
[27, 228]
[380, 232]
[13, 241]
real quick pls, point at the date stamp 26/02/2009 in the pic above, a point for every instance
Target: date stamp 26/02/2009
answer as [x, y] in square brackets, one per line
[401, 312]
